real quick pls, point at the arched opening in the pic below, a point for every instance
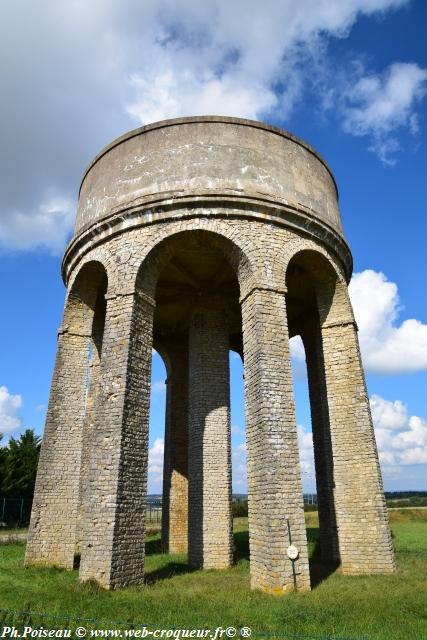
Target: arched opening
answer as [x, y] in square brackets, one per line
[66, 443]
[94, 283]
[311, 283]
[159, 382]
[197, 322]
[159, 475]
[352, 513]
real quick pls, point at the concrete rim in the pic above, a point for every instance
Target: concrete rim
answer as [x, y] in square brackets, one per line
[255, 124]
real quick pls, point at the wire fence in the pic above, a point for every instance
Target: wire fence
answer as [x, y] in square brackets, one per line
[16, 512]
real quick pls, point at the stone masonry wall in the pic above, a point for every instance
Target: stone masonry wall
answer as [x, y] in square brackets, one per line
[365, 544]
[175, 475]
[113, 545]
[209, 450]
[53, 528]
[259, 248]
[322, 445]
[276, 511]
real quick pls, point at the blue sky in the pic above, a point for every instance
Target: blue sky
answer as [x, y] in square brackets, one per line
[348, 76]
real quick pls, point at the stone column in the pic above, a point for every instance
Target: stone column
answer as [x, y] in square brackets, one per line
[166, 468]
[322, 444]
[175, 476]
[209, 451]
[91, 412]
[276, 510]
[114, 528]
[363, 531]
[52, 534]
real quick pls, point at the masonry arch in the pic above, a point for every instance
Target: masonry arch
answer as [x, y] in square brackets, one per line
[315, 295]
[195, 278]
[60, 479]
[346, 463]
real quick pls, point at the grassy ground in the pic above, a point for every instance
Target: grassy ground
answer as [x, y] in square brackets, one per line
[380, 607]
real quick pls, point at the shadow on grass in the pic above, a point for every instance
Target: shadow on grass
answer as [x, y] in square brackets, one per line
[168, 571]
[241, 545]
[153, 547]
[319, 570]
[172, 568]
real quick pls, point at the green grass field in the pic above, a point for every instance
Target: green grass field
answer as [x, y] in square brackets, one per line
[391, 607]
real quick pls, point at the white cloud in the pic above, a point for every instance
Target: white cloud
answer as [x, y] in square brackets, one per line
[47, 226]
[379, 105]
[306, 455]
[387, 347]
[173, 94]
[77, 74]
[155, 466]
[159, 386]
[242, 58]
[401, 439]
[388, 415]
[40, 408]
[239, 468]
[9, 410]
[238, 431]
[299, 367]
[297, 348]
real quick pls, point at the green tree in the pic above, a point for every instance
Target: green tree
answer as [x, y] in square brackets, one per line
[18, 465]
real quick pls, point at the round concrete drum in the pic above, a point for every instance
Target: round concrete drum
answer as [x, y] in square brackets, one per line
[196, 236]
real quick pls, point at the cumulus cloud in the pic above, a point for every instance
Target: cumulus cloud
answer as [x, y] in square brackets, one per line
[76, 74]
[387, 346]
[401, 439]
[379, 106]
[46, 226]
[9, 411]
[239, 467]
[155, 466]
[306, 455]
[299, 367]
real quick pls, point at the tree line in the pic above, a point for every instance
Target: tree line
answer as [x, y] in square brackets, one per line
[18, 465]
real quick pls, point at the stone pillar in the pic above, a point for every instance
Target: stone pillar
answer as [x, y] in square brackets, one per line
[52, 534]
[175, 475]
[209, 451]
[276, 510]
[114, 528]
[166, 468]
[91, 412]
[363, 531]
[322, 445]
